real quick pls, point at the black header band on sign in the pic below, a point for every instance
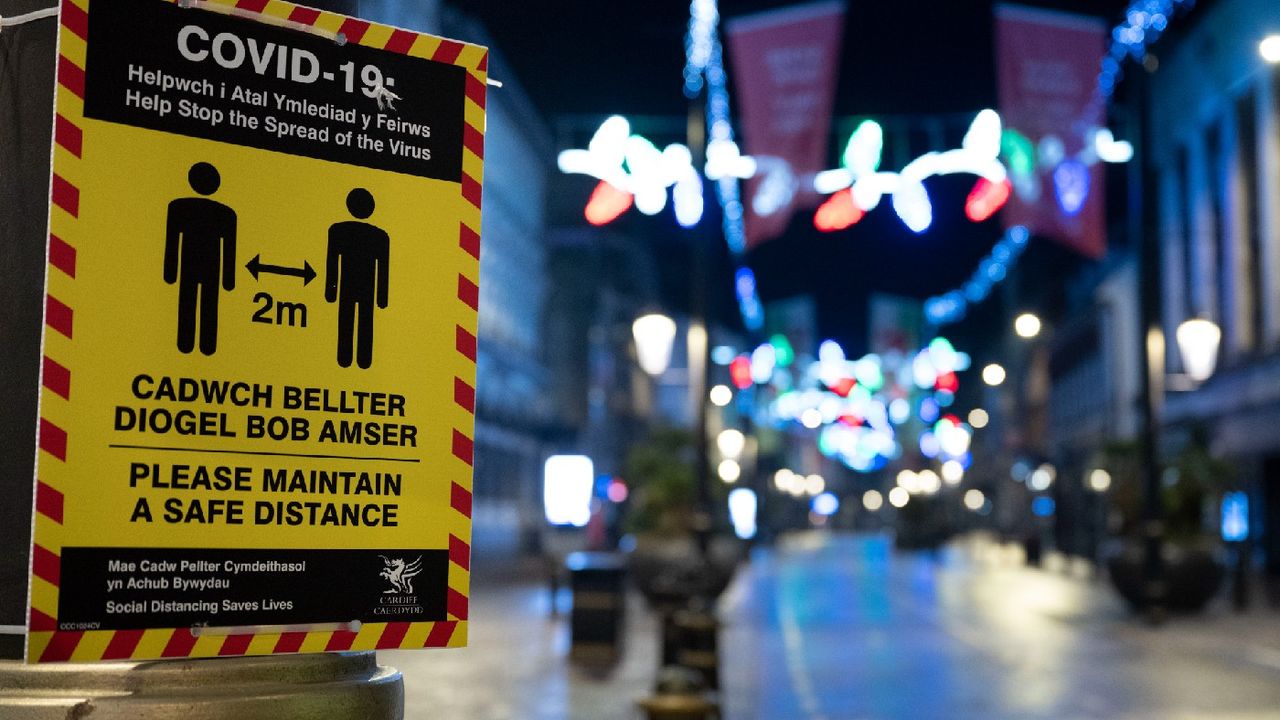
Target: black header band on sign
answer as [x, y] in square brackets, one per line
[138, 588]
[155, 65]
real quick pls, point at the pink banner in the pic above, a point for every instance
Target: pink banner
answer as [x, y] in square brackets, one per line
[1048, 64]
[784, 69]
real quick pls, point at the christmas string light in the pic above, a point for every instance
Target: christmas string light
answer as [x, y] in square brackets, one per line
[1144, 22]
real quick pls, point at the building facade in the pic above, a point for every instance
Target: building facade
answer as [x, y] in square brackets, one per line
[1215, 154]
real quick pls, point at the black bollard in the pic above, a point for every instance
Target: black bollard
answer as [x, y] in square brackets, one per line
[679, 694]
[698, 648]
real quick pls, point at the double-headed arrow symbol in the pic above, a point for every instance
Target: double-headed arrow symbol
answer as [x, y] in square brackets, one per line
[256, 266]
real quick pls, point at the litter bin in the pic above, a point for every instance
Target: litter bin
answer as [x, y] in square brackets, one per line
[598, 581]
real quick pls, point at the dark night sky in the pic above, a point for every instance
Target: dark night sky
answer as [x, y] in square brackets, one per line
[592, 59]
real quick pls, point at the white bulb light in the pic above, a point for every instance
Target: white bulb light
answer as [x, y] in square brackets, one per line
[721, 395]
[731, 443]
[729, 471]
[654, 334]
[899, 497]
[979, 418]
[930, 483]
[1027, 325]
[1198, 341]
[952, 472]
[1042, 477]
[872, 500]
[1099, 480]
[1269, 49]
[974, 499]
[993, 374]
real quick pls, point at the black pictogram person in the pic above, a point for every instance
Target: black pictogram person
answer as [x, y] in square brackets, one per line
[355, 277]
[200, 252]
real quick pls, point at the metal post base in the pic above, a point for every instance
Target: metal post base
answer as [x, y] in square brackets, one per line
[332, 686]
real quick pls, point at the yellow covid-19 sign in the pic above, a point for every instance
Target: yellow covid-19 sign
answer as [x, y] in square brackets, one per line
[260, 334]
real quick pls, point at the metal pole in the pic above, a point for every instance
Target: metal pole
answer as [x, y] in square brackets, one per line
[699, 367]
[1153, 352]
[335, 686]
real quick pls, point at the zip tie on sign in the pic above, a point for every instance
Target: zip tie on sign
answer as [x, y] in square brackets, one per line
[381, 93]
[339, 38]
[24, 18]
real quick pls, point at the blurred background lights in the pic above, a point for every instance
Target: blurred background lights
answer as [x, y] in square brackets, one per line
[929, 410]
[814, 484]
[729, 471]
[1020, 470]
[1027, 325]
[952, 472]
[721, 395]
[617, 491]
[1041, 478]
[1235, 516]
[784, 354]
[974, 499]
[993, 374]
[1099, 480]
[783, 480]
[929, 481]
[825, 504]
[811, 418]
[731, 443]
[929, 445]
[654, 334]
[1269, 49]
[978, 418]
[1043, 506]
[899, 411]
[899, 497]
[722, 354]
[740, 372]
[908, 481]
[567, 485]
[763, 360]
[1198, 341]
[872, 500]
[742, 512]
[830, 351]
[953, 438]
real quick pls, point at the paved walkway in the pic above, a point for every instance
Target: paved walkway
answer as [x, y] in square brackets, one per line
[517, 665]
[830, 627]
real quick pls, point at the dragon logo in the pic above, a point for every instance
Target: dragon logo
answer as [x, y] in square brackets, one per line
[400, 574]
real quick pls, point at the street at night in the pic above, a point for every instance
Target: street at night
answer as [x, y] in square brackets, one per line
[842, 627]
[698, 360]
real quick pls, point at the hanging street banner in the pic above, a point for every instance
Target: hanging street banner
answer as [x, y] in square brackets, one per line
[260, 334]
[785, 64]
[1047, 63]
